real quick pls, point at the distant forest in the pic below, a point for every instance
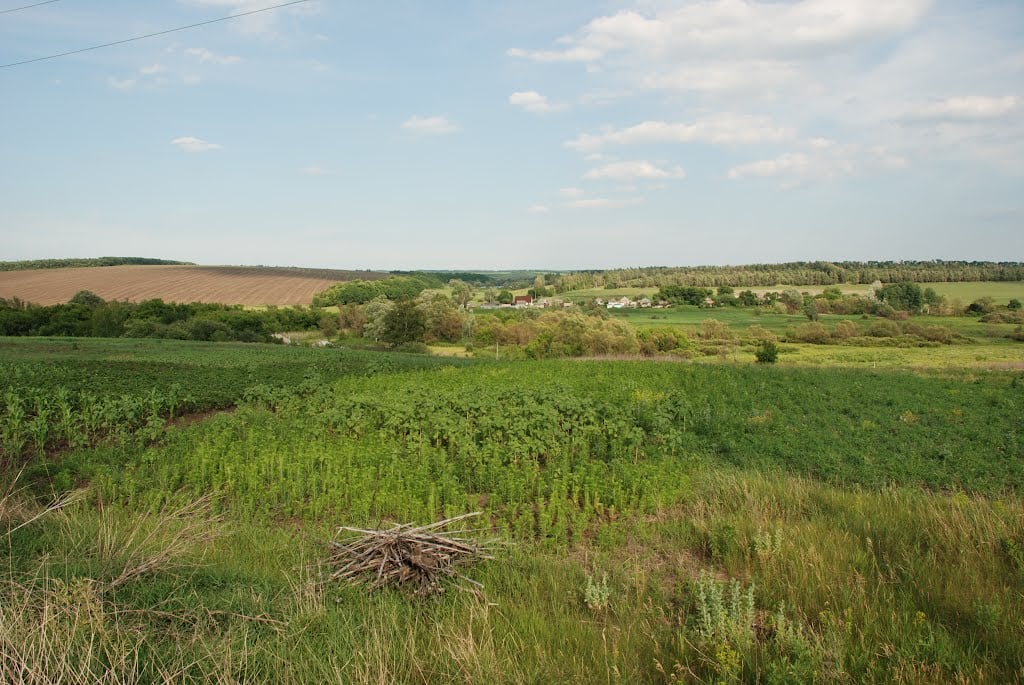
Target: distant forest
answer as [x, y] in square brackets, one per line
[29, 264]
[792, 273]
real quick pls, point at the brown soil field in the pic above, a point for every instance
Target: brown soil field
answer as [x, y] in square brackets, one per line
[244, 285]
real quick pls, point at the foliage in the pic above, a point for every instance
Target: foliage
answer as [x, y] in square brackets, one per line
[30, 264]
[902, 296]
[597, 595]
[556, 334]
[59, 396]
[684, 294]
[767, 352]
[88, 315]
[404, 323]
[362, 291]
[794, 273]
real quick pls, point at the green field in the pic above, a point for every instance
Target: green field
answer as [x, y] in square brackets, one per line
[655, 523]
[977, 345]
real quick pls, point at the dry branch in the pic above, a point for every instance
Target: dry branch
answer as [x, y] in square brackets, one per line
[405, 556]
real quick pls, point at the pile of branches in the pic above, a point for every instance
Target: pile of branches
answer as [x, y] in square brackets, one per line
[416, 558]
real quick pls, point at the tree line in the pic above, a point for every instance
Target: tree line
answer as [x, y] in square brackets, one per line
[792, 273]
[29, 264]
[89, 315]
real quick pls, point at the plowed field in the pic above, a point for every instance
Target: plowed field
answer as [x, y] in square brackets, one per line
[225, 284]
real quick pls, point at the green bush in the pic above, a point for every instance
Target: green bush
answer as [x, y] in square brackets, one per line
[767, 352]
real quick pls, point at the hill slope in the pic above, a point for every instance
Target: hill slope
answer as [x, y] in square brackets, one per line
[225, 284]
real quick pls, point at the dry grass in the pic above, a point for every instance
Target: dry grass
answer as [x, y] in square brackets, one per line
[68, 630]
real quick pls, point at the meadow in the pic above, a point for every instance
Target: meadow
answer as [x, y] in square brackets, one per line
[654, 523]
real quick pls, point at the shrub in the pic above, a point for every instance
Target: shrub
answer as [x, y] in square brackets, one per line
[846, 329]
[713, 329]
[812, 332]
[938, 334]
[767, 352]
[884, 329]
[984, 305]
[760, 333]
[1008, 316]
[597, 595]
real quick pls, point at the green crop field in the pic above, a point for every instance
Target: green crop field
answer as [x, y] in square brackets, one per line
[648, 522]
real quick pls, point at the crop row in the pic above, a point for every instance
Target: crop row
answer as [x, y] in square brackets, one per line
[551, 449]
[41, 420]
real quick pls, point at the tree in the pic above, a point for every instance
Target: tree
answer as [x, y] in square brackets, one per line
[680, 294]
[329, 325]
[376, 317]
[1013, 305]
[461, 292]
[108, 320]
[404, 323]
[86, 298]
[903, 296]
[792, 299]
[748, 298]
[505, 297]
[811, 310]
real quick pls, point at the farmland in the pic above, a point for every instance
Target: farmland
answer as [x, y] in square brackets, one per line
[659, 523]
[177, 283]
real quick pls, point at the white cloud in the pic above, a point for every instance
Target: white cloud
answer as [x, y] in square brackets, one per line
[152, 69]
[121, 84]
[790, 164]
[738, 27]
[192, 144]
[577, 54]
[722, 77]
[603, 203]
[967, 108]
[318, 171]
[538, 209]
[571, 192]
[624, 171]
[725, 129]
[437, 125]
[191, 79]
[204, 56]
[532, 101]
[827, 162]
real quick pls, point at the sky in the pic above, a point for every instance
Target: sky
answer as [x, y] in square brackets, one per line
[554, 134]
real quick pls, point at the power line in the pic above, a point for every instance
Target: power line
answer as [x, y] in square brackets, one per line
[28, 7]
[151, 35]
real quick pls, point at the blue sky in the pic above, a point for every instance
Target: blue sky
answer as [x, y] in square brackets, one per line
[489, 135]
